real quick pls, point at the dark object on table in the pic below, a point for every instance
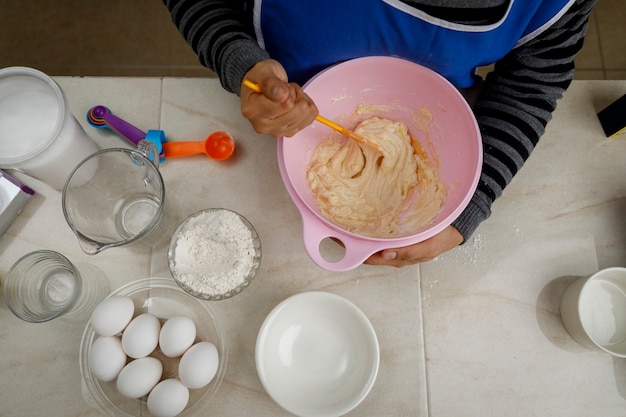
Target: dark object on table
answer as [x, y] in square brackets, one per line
[613, 117]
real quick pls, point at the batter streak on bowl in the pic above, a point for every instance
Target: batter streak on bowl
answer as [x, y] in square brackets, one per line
[377, 195]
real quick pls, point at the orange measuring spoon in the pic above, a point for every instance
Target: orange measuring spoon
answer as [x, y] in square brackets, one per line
[347, 132]
[218, 145]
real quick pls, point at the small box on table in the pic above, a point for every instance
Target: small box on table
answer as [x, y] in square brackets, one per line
[13, 197]
[613, 118]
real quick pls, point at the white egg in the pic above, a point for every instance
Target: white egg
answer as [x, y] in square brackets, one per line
[138, 377]
[106, 358]
[177, 335]
[141, 336]
[198, 365]
[112, 315]
[168, 399]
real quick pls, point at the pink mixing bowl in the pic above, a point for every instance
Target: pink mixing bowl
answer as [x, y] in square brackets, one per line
[396, 89]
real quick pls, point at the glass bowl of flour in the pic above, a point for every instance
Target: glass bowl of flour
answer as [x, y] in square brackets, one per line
[214, 254]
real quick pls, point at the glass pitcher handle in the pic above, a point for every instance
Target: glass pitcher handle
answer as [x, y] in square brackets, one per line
[149, 150]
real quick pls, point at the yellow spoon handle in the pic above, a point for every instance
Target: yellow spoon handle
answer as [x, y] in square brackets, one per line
[344, 131]
[255, 87]
[252, 86]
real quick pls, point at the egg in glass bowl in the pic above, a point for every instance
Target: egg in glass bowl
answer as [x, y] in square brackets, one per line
[165, 373]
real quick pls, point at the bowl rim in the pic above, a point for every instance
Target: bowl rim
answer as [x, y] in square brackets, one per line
[316, 227]
[206, 296]
[355, 311]
[91, 386]
[611, 275]
[425, 231]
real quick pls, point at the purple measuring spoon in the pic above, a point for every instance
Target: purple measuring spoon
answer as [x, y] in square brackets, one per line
[100, 116]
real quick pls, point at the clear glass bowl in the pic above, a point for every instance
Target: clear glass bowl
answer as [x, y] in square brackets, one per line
[164, 299]
[196, 290]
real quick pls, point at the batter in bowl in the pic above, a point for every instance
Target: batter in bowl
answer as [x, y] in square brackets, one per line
[383, 195]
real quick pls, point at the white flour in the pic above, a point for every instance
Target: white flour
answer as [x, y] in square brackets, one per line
[214, 252]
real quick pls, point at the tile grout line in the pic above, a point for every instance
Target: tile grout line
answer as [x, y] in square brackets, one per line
[421, 320]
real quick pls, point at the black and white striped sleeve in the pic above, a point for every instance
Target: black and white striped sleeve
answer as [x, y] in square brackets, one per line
[221, 33]
[516, 103]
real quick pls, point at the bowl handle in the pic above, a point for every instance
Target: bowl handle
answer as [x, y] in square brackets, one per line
[356, 250]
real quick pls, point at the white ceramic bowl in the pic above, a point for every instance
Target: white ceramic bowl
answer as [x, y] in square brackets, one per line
[163, 298]
[317, 355]
[593, 311]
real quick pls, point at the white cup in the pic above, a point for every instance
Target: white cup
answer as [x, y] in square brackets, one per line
[38, 134]
[593, 311]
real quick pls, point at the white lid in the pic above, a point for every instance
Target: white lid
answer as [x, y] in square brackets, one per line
[32, 109]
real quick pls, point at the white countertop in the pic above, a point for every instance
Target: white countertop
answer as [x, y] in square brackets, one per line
[474, 333]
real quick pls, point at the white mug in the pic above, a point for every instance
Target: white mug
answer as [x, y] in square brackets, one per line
[593, 311]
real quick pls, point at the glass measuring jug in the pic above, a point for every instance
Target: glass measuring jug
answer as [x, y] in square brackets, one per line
[116, 197]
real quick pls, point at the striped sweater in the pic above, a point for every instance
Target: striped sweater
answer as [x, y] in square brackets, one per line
[515, 104]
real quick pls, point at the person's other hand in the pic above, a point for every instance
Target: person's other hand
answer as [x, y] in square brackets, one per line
[424, 251]
[282, 108]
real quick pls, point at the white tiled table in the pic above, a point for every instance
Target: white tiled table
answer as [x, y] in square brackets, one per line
[474, 333]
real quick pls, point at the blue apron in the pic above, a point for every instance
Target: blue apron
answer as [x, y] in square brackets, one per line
[306, 36]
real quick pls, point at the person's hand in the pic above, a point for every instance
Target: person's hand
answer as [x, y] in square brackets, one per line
[424, 251]
[282, 108]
